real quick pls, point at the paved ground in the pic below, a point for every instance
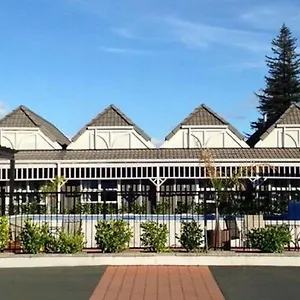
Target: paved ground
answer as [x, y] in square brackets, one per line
[76, 283]
[261, 283]
[167, 283]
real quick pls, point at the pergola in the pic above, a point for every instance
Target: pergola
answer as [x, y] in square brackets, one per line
[9, 154]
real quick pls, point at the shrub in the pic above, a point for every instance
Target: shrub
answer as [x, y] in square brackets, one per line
[154, 236]
[4, 233]
[270, 239]
[133, 208]
[191, 236]
[68, 243]
[37, 239]
[113, 236]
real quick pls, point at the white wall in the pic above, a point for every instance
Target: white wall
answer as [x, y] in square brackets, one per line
[288, 137]
[197, 137]
[110, 139]
[23, 139]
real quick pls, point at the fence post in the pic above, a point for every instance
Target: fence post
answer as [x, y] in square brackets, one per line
[3, 201]
[205, 221]
[104, 204]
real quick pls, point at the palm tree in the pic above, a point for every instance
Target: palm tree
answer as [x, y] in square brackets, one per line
[222, 183]
[50, 192]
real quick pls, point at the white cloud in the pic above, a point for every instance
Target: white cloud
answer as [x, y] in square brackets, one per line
[123, 32]
[124, 51]
[271, 17]
[243, 65]
[200, 35]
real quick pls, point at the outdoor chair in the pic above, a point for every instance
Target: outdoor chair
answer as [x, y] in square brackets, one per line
[232, 226]
[71, 227]
[250, 222]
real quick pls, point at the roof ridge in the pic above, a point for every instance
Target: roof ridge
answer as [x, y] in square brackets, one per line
[212, 113]
[121, 114]
[261, 133]
[26, 109]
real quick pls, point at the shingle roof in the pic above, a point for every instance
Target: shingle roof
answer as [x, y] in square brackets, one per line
[112, 117]
[156, 154]
[25, 118]
[203, 115]
[290, 116]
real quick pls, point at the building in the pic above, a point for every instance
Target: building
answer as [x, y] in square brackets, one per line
[112, 153]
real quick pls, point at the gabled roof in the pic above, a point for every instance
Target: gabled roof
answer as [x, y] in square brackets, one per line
[23, 117]
[203, 115]
[111, 117]
[290, 116]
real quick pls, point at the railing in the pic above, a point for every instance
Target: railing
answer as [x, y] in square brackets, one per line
[226, 218]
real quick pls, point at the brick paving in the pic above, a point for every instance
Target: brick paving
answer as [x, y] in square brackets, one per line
[157, 283]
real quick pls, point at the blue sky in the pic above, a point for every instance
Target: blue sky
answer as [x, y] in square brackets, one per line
[156, 60]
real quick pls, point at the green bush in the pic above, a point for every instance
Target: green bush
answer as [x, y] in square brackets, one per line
[67, 243]
[270, 239]
[113, 236]
[154, 236]
[37, 238]
[133, 208]
[191, 236]
[4, 233]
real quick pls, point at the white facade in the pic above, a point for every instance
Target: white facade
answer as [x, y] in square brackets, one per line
[26, 139]
[110, 138]
[204, 136]
[282, 136]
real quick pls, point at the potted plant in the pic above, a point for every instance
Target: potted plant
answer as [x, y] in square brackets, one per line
[222, 185]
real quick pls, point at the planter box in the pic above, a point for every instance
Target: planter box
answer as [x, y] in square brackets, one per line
[218, 239]
[14, 247]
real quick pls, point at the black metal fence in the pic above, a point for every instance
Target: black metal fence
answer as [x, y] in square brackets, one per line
[226, 218]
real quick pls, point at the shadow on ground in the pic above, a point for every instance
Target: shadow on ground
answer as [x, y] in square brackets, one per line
[76, 283]
[258, 283]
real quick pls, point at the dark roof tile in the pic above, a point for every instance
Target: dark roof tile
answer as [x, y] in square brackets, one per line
[23, 117]
[156, 154]
[203, 115]
[112, 117]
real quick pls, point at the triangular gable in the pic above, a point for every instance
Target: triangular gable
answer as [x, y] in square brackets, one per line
[291, 116]
[23, 117]
[111, 117]
[203, 115]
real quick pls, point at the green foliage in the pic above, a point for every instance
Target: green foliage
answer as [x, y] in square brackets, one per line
[270, 239]
[191, 236]
[91, 209]
[163, 208]
[37, 238]
[154, 236]
[189, 207]
[70, 243]
[283, 81]
[133, 208]
[4, 233]
[113, 236]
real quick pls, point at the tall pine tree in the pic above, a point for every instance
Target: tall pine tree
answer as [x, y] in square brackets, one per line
[283, 80]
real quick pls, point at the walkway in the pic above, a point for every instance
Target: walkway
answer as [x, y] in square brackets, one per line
[157, 283]
[188, 283]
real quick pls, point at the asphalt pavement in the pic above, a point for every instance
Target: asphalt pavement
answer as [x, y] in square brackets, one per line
[74, 283]
[258, 283]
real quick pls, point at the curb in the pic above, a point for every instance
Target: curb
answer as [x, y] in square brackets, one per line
[11, 261]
